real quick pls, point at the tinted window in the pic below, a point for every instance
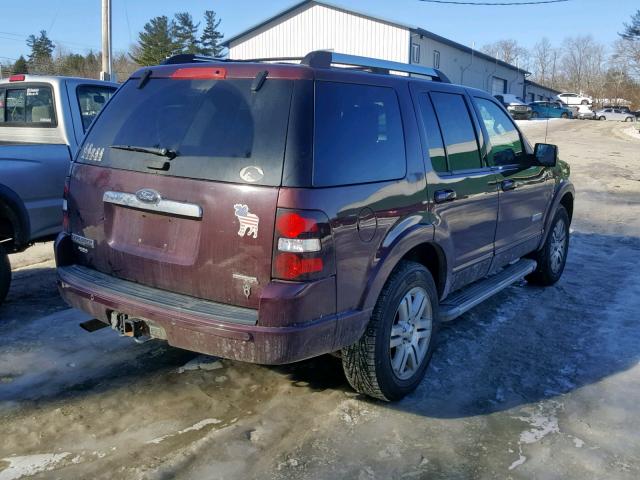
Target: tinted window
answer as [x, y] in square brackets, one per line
[91, 99]
[32, 105]
[217, 127]
[2, 100]
[434, 137]
[506, 145]
[457, 130]
[358, 135]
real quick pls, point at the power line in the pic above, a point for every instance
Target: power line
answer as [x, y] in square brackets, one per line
[494, 4]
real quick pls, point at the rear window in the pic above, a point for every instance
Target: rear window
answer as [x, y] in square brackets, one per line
[358, 135]
[31, 105]
[91, 99]
[219, 129]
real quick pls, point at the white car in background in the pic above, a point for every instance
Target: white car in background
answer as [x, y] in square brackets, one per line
[574, 99]
[615, 114]
[584, 112]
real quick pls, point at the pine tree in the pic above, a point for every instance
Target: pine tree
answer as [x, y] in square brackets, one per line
[41, 56]
[185, 33]
[632, 31]
[155, 43]
[20, 66]
[211, 36]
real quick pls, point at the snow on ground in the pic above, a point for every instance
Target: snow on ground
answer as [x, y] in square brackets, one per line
[534, 383]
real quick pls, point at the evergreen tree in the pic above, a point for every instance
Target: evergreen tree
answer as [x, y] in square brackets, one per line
[20, 66]
[185, 33]
[41, 56]
[632, 31]
[211, 36]
[155, 43]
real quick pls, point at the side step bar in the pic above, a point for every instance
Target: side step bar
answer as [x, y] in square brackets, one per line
[464, 300]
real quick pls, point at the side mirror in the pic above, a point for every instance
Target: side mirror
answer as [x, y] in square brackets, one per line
[546, 154]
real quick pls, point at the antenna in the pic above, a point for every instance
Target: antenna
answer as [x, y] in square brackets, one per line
[546, 129]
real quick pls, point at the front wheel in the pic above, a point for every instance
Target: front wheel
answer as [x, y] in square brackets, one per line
[5, 274]
[391, 357]
[553, 256]
[565, 115]
[534, 115]
[602, 118]
[584, 102]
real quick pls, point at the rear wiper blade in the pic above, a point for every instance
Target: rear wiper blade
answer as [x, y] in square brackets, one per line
[161, 152]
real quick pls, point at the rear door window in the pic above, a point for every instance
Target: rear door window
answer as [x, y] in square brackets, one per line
[91, 99]
[29, 106]
[457, 130]
[359, 136]
[218, 129]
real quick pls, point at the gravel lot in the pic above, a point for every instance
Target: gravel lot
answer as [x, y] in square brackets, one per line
[534, 383]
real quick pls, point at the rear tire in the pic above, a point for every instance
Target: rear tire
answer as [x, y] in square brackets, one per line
[553, 256]
[5, 274]
[602, 118]
[564, 115]
[391, 357]
[584, 102]
[534, 114]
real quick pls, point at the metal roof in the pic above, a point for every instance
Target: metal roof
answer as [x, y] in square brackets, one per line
[531, 82]
[413, 29]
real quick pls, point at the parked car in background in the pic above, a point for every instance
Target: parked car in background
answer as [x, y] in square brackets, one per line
[271, 213]
[516, 107]
[574, 99]
[42, 122]
[615, 114]
[584, 112]
[549, 110]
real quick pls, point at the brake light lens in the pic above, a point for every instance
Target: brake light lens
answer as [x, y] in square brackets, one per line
[66, 226]
[303, 246]
[17, 78]
[199, 73]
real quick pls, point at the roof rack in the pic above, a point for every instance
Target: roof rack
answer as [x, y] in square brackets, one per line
[326, 58]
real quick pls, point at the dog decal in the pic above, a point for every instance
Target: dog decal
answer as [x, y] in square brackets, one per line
[248, 221]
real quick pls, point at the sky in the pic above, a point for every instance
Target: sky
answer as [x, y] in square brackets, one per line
[75, 24]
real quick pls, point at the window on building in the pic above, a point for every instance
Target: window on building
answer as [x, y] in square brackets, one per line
[532, 97]
[436, 59]
[358, 135]
[415, 53]
[498, 86]
[2, 105]
[457, 129]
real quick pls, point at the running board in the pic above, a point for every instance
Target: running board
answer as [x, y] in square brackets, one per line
[464, 300]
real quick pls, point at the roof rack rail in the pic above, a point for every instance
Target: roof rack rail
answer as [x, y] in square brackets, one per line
[191, 58]
[326, 58]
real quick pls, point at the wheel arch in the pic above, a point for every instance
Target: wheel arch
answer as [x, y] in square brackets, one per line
[14, 220]
[416, 244]
[564, 197]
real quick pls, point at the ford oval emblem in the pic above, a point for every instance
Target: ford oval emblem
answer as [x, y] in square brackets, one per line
[147, 195]
[251, 174]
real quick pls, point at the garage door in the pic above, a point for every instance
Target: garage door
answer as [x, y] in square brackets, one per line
[498, 86]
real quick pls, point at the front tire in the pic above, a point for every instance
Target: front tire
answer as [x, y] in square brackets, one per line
[602, 118]
[565, 115]
[534, 115]
[5, 274]
[391, 357]
[584, 102]
[553, 256]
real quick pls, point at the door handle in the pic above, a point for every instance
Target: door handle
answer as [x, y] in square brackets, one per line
[442, 196]
[508, 185]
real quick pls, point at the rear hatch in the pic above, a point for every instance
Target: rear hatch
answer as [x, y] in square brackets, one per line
[176, 185]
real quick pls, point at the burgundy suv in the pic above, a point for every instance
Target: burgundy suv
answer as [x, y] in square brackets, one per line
[274, 212]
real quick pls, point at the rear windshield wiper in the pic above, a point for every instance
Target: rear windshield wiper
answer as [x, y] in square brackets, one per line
[161, 152]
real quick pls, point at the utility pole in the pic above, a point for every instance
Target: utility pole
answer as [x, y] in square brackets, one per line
[106, 73]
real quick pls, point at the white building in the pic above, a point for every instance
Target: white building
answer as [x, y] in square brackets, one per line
[317, 25]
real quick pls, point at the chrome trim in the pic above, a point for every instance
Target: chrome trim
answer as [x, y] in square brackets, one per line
[83, 241]
[172, 207]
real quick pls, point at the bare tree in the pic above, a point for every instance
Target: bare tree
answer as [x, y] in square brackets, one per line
[543, 56]
[583, 62]
[508, 51]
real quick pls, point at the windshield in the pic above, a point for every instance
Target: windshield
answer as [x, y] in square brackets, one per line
[217, 128]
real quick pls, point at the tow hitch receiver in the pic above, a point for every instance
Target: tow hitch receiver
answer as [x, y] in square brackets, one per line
[130, 327]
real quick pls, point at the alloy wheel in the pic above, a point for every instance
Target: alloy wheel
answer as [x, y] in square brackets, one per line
[558, 246]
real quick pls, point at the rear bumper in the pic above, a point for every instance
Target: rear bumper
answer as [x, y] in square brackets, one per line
[208, 327]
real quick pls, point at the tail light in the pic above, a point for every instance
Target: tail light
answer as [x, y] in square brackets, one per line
[65, 207]
[303, 246]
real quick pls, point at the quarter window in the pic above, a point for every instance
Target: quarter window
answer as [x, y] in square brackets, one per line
[506, 144]
[457, 130]
[358, 135]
